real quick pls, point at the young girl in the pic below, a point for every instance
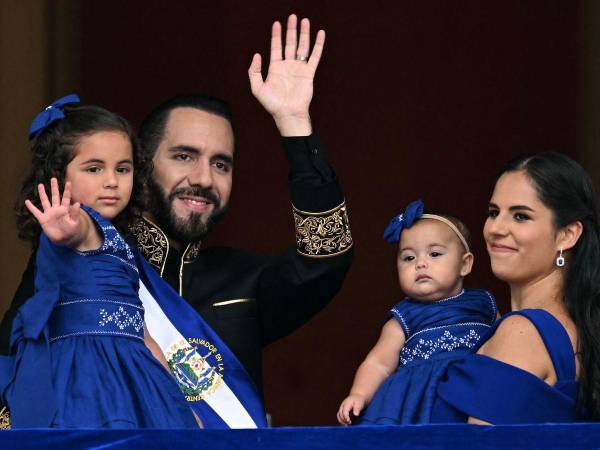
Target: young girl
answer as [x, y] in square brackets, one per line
[438, 322]
[78, 343]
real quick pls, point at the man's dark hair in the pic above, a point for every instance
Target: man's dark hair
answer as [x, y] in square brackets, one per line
[152, 129]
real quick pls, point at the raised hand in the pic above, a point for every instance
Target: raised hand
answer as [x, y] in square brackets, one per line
[59, 220]
[287, 91]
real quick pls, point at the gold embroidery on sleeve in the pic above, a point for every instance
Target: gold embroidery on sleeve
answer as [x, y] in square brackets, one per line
[4, 419]
[323, 234]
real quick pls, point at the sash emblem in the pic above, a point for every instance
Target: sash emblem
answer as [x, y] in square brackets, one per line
[196, 365]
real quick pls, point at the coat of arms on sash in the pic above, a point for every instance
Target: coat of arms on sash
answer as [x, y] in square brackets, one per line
[198, 375]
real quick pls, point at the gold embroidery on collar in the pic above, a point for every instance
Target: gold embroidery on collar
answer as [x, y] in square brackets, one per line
[323, 234]
[5, 419]
[154, 246]
[152, 242]
[181, 274]
[189, 255]
[191, 252]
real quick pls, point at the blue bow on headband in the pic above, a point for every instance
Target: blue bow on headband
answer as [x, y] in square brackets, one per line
[405, 220]
[51, 114]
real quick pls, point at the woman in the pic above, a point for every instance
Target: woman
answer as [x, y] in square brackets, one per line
[541, 362]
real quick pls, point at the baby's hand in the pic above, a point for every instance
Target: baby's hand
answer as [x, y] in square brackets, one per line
[59, 220]
[352, 404]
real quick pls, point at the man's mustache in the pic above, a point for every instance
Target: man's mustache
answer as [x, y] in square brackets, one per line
[208, 194]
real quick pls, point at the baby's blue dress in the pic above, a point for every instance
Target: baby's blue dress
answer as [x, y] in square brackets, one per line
[436, 334]
[80, 357]
[499, 393]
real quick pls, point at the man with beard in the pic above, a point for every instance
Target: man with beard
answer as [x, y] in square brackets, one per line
[250, 300]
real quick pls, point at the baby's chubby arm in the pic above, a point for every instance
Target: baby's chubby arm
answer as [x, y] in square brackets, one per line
[379, 364]
[63, 223]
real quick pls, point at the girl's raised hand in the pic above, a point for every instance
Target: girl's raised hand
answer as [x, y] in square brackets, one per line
[59, 219]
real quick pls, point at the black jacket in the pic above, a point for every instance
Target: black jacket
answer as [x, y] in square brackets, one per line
[251, 300]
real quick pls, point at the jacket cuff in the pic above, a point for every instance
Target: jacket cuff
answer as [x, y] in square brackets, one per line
[324, 234]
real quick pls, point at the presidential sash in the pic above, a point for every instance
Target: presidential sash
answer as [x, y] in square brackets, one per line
[214, 382]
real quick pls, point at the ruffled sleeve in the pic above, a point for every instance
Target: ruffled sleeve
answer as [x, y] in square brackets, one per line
[499, 393]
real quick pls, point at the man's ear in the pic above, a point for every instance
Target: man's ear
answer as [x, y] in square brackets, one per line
[569, 235]
[467, 264]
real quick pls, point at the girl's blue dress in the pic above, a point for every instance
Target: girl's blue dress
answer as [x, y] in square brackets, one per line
[436, 334]
[80, 356]
[499, 393]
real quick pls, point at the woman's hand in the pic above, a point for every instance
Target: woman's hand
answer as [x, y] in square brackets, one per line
[354, 404]
[59, 220]
[287, 92]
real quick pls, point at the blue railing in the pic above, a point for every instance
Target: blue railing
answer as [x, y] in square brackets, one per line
[547, 437]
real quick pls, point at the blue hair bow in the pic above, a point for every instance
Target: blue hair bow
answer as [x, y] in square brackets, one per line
[405, 220]
[51, 114]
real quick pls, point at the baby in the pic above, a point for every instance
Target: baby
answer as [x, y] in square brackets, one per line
[437, 323]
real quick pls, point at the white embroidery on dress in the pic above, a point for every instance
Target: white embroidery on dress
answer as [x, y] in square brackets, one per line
[493, 304]
[112, 240]
[115, 242]
[425, 348]
[133, 266]
[122, 319]
[450, 298]
[454, 325]
[98, 300]
[95, 333]
[399, 316]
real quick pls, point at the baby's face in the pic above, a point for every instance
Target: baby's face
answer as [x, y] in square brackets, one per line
[431, 261]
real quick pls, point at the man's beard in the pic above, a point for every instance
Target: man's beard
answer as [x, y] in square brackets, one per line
[183, 229]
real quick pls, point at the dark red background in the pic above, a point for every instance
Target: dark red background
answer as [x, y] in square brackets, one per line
[412, 99]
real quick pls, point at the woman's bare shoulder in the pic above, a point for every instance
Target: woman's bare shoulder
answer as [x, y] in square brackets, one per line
[517, 342]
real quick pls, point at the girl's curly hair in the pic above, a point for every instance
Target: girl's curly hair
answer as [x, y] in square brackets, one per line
[56, 146]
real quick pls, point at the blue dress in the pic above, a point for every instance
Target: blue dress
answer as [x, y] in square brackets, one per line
[80, 359]
[500, 393]
[436, 334]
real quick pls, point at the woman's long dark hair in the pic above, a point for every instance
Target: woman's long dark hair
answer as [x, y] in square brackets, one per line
[55, 147]
[566, 189]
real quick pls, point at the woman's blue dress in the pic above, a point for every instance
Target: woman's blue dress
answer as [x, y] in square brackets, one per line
[436, 334]
[81, 361]
[499, 393]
